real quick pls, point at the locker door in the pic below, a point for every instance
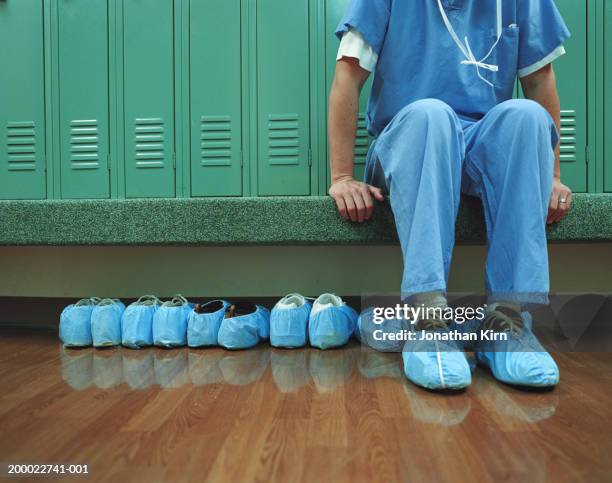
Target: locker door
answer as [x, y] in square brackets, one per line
[571, 70]
[83, 98]
[22, 114]
[283, 97]
[216, 121]
[335, 10]
[607, 128]
[148, 27]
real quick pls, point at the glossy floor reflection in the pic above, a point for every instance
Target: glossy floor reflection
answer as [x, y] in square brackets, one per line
[303, 415]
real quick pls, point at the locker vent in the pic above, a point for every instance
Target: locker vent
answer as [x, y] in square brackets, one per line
[283, 139]
[149, 137]
[21, 146]
[362, 140]
[216, 140]
[568, 136]
[84, 146]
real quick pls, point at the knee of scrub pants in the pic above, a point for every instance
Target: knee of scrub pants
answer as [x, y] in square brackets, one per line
[530, 115]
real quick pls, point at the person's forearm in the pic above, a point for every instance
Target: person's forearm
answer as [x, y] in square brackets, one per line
[343, 112]
[543, 89]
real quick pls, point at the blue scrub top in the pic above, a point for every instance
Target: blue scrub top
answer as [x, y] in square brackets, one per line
[418, 59]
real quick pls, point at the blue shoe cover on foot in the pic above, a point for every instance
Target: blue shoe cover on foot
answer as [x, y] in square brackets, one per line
[245, 325]
[331, 323]
[204, 322]
[75, 323]
[170, 323]
[436, 364]
[520, 360]
[380, 336]
[289, 322]
[106, 323]
[137, 322]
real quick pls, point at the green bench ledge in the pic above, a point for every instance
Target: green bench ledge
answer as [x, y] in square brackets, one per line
[249, 221]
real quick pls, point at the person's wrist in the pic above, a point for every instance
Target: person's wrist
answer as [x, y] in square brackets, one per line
[342, 177]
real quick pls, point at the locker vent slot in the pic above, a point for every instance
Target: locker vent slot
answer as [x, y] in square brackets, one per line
[21, 146]
[149, 137]
[283, 139]
[362, 140]
[568, 136]
[84, 144]
[216, 140]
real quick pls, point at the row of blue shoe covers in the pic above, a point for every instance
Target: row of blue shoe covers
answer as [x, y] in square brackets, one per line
[294, 322]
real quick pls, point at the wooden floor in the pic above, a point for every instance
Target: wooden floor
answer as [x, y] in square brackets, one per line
[304, 415]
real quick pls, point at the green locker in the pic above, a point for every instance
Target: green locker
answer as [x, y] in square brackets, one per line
[607, 94]
[148, 53]
[22, 111]
[83, 98]
[215, 85]
[571, 70]
[283, 97]
[335, 9]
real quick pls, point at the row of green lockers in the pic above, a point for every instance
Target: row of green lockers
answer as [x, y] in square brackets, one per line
[191, 98]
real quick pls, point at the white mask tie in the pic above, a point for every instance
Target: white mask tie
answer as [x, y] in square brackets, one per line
[470, 59]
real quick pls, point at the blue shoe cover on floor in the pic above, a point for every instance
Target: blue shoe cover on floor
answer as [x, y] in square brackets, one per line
[170, 323]
[245, 325]
[75, 323]
[204, 322]
[332, 322]
[380, 337]
[521, 360]
[435, 364]
[137, 322]
[106, 323]
[289, 322]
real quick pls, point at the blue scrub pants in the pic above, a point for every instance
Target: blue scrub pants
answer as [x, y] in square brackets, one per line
[427, 156]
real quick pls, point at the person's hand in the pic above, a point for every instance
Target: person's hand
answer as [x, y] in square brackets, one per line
[560, 201]
[354, 199]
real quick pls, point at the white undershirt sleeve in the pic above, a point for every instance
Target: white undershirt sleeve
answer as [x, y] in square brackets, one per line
[354, 45]
[554, 55]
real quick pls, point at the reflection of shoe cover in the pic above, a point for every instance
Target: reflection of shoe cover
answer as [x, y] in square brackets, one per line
[106, 323]
[138, 371]
[430, 408]
[107, 368]
[289, 322]
[75, 323]
[244, 326]
[370, 333]
[171, 368]
[517, 408]
[204, 322]
[243, 368]
[170, 322]
[332, 322]
[374, 364]
[137, 322]
[289, 370]
[331, 370]
[204, 367]
[77, 368]
[435, 364]
[520, 360]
